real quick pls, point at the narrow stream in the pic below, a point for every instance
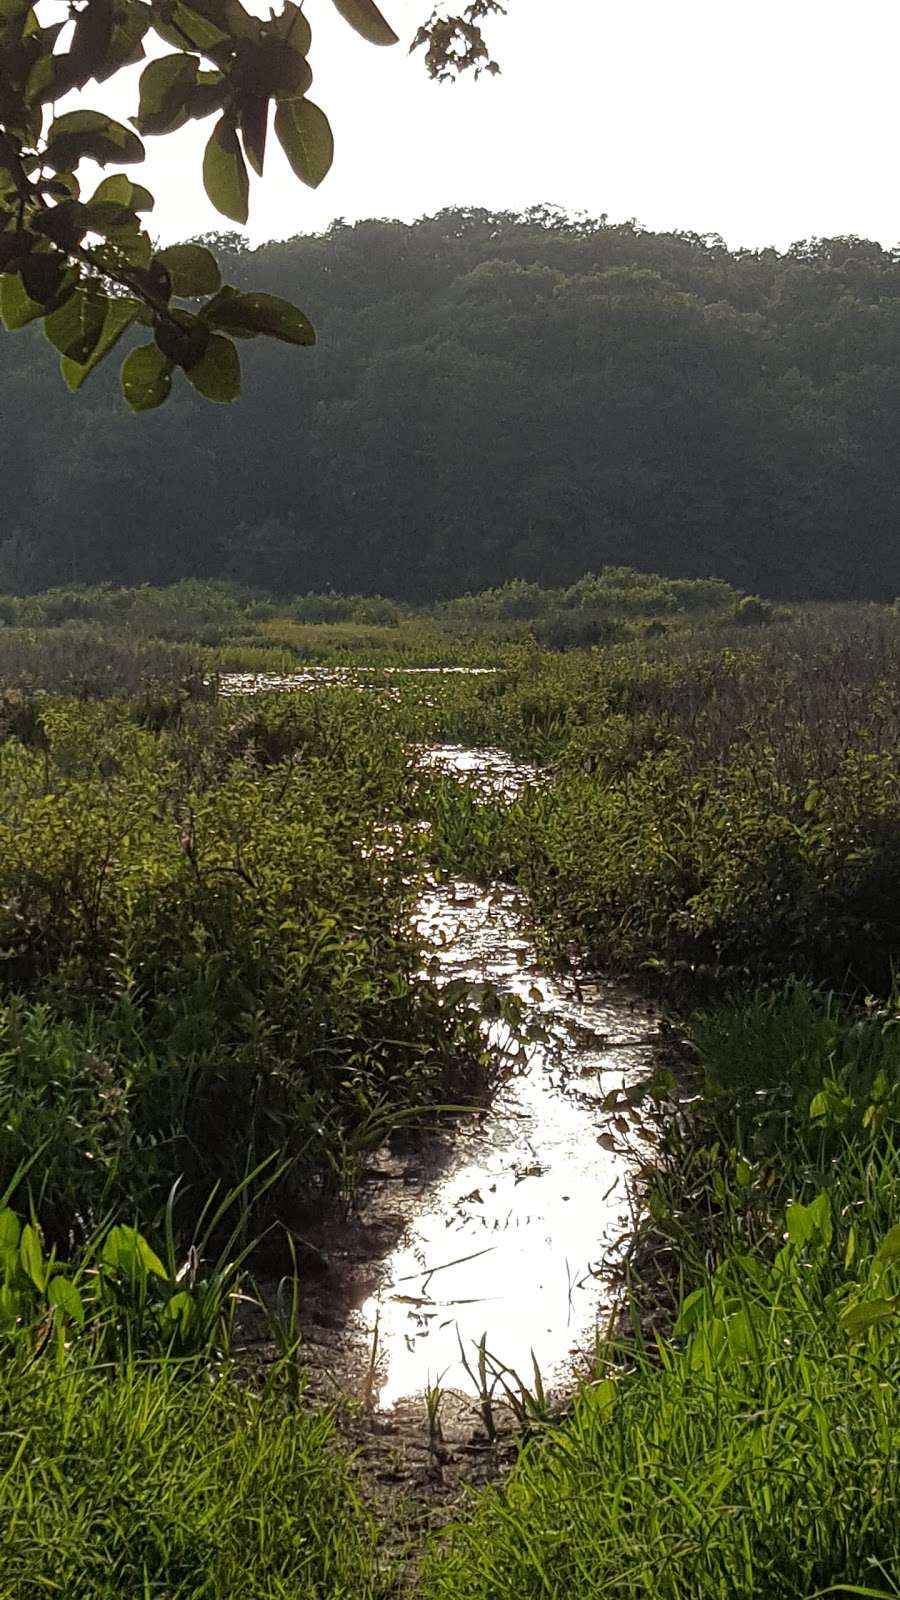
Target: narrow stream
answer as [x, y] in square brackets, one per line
[511, 1242]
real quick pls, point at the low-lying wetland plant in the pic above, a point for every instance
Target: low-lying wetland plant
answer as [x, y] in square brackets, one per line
[211, 984]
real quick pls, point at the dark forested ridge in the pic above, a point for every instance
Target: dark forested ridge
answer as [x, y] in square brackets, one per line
[493, 396]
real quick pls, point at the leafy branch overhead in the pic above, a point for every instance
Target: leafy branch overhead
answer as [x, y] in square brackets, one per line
[86, 264]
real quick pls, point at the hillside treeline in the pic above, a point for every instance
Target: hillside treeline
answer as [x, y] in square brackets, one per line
[492, 396]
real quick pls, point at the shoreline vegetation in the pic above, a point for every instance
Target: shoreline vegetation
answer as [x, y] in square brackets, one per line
[214, 1008]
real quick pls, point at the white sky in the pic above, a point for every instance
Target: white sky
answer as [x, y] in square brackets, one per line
[765, 122]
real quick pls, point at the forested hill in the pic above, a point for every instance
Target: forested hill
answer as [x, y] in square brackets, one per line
[493, 396]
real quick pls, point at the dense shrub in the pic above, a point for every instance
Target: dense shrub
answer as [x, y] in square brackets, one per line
[214, 917]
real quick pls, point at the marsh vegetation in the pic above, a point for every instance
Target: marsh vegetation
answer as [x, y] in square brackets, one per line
[219, 1004]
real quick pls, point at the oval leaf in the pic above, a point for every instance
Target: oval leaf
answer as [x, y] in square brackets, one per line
[192, 270]
[889, 1249]
[63, 1295]
[90, 134]
[10, 1229]
[120, 314]
[16, 304]
[76, 327]
[119, 189]
[306, 139]
[217, 374]
[225, 176]
[249, 314]
[146, 379]
[166, 85]
[365, 17]
[124, 1248]
[32, 1256]
[860, 1318]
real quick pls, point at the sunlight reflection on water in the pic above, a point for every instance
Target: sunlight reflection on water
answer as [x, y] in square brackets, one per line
[511, 1241]
[514, 1240]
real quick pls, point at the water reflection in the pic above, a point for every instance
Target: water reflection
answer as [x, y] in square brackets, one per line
[314, 677]
[511, 1242]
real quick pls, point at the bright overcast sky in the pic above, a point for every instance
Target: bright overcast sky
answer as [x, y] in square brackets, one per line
[766, 122]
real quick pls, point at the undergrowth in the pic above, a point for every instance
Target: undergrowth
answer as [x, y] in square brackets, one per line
[212, 1006]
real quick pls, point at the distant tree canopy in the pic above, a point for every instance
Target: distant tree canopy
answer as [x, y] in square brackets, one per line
[494, 396]
[85, 265]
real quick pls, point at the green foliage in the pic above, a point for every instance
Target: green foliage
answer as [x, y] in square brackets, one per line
[213, 1006]
[203, 903]
[87, 266]
[721, 812]
[118, 1297]
[546, 353]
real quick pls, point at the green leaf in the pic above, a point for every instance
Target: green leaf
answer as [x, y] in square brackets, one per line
[694, 1309]
[77, 325]
[164, 90]
[32, 1256]
[10, 1229]
[126, 46]
[181, 336]
[134, 246]
[124, 1248]
[604, 1395]
[254, 130]
[90, 42]
[225, 176]
[192, 269]
[47, 278]
[119, 188]
[93, 135]
[293, 28]
[12, 1307]
[366, 18]
[272, 67]
[63, 1296]
[200, 26]
[16, 305]
[217, 374]
[820, 1216]
[110, 220]
[860, 1318]
[120, 314]
[306, 139]
[146, 377]
[181, 1309]
[65, 224]
[800, 1225]
[248, 314]
[889, 1249]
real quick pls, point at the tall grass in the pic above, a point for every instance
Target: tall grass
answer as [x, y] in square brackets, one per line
[146, 1480]
[749, 1450]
